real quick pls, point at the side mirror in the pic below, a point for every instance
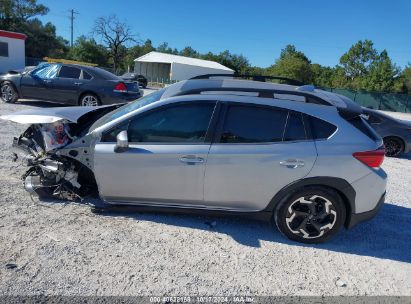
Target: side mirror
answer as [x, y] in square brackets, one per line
[122, 142]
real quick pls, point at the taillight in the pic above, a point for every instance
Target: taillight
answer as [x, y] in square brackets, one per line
[372, 159]
[120, 87]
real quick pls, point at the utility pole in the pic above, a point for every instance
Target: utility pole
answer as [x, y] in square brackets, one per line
[72, 12]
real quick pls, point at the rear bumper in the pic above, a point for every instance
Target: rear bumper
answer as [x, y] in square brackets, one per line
[356, 218]
[115, 98]
[407, 147]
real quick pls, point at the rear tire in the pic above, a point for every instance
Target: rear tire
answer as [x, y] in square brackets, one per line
[88, 100]
[394, 146]
[8, 93]
[311, 215]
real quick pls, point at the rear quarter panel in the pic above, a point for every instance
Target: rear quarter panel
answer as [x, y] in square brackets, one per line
[335, 154]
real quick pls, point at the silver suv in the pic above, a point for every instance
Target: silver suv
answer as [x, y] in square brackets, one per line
[300, 156]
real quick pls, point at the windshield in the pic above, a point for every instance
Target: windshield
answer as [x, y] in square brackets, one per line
[141, 102]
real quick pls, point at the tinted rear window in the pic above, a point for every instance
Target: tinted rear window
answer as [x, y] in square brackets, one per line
[86, 75]
[295, 128]
[250, 124]
[321, 129]
[363, 126]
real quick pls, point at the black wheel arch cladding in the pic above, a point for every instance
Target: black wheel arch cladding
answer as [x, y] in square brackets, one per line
[345, 190]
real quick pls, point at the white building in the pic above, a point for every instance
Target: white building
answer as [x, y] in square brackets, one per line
[161, 67]
[12, 51]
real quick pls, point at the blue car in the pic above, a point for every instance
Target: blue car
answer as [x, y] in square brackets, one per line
[69, 84]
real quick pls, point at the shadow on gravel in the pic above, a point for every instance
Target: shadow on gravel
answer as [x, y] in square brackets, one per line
[387, 236]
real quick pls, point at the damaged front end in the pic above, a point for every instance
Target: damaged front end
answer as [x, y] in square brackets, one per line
[58, 153]
[50, 173]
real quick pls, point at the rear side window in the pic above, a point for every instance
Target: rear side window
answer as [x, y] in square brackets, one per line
[295, 127]
[363, 126]
[321, 129]
[69, 72]
[86, 75]
[251, 124]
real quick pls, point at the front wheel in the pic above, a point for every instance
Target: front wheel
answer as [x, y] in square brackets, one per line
[89, 100]
[311, 215]
[393, 146]
[8, 92]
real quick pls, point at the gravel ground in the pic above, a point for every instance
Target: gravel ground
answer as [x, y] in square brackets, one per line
[60, 248]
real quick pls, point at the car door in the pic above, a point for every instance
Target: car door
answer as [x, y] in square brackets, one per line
[36, 84]
[65, 87]
[165, 160]
[258, 151]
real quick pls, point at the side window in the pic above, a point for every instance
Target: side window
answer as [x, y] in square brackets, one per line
[295, 127]
[4, 49]
[69, 72]
[253, 124]
[184, 123]
[321, 129]
[86, 75]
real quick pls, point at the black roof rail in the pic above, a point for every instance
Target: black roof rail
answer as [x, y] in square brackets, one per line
[266, 93]
[260, 78]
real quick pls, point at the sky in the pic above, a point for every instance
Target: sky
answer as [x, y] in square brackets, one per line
[258, 29]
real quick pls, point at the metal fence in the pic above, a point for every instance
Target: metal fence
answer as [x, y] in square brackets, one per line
[377, 100]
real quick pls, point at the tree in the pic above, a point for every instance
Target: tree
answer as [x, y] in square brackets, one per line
[381, 74]
[137, 51]
[19, 16]
[188, 51]
[290, 50]
[238, 63]
[322, 76]
[292, 64]
[357, 61]
[13, 12]
[115, 34]
[164, 48]
[406, 76]
[42, 40]
[339, 79]
[87, 50]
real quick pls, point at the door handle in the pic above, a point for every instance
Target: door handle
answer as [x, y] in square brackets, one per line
[78, 83]
[292, 163]
[47, 81]
[191, 159]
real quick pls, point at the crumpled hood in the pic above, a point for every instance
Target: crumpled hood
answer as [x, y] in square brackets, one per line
[50, 115]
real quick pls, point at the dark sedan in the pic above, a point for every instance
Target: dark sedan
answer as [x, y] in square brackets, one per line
[142, 81]
[69, 84]
[395, 133]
